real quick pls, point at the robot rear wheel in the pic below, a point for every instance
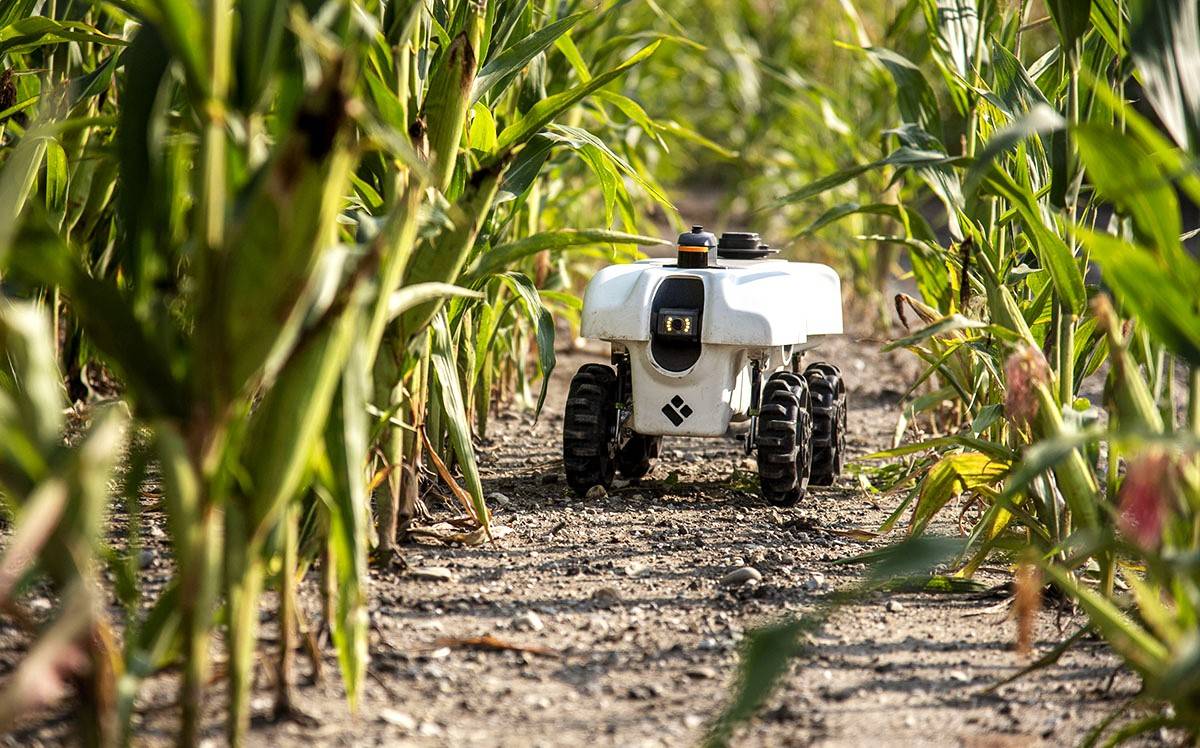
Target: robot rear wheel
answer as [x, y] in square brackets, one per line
[637, 454]
[828, 392]
[592, 454]
[783, 435]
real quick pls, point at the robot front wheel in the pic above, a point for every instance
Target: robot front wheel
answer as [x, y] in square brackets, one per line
[591, 455]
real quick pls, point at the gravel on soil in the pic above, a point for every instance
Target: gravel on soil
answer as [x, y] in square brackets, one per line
[617, 619]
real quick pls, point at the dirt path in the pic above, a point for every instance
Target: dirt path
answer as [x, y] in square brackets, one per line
[641, 640]
[625, 591]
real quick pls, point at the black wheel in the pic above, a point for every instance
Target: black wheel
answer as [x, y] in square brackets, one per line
[784, 438]
[638, 453]
[634, 459]
[828, 392]
[589, 428]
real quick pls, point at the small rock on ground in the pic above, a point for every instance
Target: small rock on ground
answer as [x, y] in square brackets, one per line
[738, 577]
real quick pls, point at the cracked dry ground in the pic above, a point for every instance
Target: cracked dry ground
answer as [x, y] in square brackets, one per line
[641, 639]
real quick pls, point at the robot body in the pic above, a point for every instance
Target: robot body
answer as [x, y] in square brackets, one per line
[703, 344]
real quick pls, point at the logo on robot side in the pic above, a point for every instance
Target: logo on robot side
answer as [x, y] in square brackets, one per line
[679, 412]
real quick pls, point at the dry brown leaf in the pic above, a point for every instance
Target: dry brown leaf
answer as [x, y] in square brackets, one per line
[487, 641]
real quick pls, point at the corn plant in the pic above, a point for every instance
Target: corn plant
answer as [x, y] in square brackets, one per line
[251, 215]
[57, 497]
[1019, 131]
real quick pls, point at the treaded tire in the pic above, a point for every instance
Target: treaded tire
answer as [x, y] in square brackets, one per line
[784, 437]
[588, 428]
[635, 458]
[828, 392]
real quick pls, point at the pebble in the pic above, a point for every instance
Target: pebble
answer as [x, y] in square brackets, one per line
[528, 621]
[498, 499]
[429, 730]
[815, 581]
[959, 676]
[636, 569]
[606, 596]
[701, 673]
[644, 692]
[620, 483]
[397, 718]
[146, 558]
[432, 574]
[894, 606]
[692, 721]
[597, 492]
[738, 577]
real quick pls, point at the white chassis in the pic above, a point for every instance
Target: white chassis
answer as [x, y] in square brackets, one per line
[756, 314]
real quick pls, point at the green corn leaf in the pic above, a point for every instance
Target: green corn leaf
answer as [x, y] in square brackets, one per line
[501, 69]
[1111, 23]
[675, 129]
[347, 500]
[903, 157]
[441, 356]
[1157, 614]
[1125, 173]
[914, 96]
[635, 113]
[281, 435]
[1141, 650]
[482, 134]
[1051, 250]
[1165, 42]
[1040, 120]
[542, 321]
[56, 179]
[915, 224]
[1162, 295]
[526, 166]
[410, 296]
[16, 180]
[33, 396]
[546, 110]
[996, 451]
[30, 33]
[1015, 91]
[181, 26]
[764, 660]
[108, 317]
[955, 24]
[912, 557]
[1072, 19]
[505, 255]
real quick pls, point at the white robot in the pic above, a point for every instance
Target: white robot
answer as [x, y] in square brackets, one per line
[706, 343]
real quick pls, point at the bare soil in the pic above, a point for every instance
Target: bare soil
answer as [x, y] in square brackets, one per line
[634, 640]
